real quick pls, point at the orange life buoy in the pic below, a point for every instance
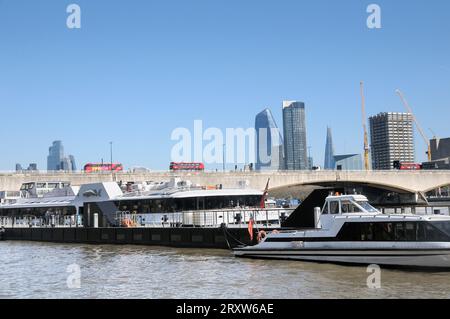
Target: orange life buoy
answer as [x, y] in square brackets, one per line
[261, 235]
[127, 222]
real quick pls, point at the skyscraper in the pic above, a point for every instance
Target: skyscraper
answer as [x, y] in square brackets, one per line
[56, 160]
[269, 142]
[55, 156]
[73, 165]
[294, 127]
[392, 139]
[329, 151]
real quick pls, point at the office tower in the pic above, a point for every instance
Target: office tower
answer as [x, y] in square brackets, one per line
[294, 127]
[73, 166]
[392, 139]
[66, 165]
[55, 156]
[269, 142]
[56, 160]
[329, 151]
[18, 167]
[348, 162]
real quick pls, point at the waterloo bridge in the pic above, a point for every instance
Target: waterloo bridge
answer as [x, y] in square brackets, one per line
[383, 187]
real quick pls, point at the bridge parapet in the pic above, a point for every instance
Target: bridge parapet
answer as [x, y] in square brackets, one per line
[408, 181]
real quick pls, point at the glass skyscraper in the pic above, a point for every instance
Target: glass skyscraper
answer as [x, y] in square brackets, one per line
[73, 165]
[269, 142]
[294, 127]
[57, 161]
[329, 151]
[55, 156]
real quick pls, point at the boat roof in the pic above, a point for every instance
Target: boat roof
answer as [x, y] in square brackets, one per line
[354, 197]
[187, 193]
[41, 202]
[110, 191]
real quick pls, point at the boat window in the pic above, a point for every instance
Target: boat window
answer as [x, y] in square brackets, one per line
[334, 207]
[325, 209]
[399, 231]
[349, 207]
[366, 206]
[439, 227]
[383, 231]
[380, 231]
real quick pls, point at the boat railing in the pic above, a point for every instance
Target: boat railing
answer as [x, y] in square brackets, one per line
[233, 218]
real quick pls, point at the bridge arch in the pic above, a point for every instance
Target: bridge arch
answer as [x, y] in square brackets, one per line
[436, 187]
[343, 183]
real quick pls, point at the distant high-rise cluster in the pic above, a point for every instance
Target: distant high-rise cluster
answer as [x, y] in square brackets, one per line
[57, 161]
[275, 152]
[392, 139]
[31, 168]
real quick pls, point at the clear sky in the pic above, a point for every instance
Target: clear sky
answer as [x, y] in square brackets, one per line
[136, 70]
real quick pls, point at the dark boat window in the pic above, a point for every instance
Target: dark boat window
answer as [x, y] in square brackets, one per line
[443, 226]
[437, 231]
[349, 207]
[334, 207]
[398, 231]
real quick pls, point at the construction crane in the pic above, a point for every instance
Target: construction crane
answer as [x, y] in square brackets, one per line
[419, 128]
[364, 121]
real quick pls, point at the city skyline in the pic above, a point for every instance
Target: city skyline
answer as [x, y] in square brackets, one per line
[132, 76]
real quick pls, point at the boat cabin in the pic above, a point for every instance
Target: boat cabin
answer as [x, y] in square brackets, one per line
[344, 204]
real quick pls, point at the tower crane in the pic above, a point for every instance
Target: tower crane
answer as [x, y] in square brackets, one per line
[364, 121]
[419, 128]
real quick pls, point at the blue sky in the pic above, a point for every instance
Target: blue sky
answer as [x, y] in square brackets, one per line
[136, 70]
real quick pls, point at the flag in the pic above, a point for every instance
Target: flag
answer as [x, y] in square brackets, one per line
[250, 228]
[262, 204]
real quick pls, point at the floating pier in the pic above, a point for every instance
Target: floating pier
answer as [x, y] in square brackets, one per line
[222, 238]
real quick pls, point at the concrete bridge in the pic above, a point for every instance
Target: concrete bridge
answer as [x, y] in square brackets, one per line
[408, 182]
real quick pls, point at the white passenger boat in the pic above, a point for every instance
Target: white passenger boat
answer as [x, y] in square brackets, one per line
[349, 230]
[173, 203]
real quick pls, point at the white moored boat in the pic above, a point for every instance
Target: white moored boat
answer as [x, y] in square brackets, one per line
[349, 230]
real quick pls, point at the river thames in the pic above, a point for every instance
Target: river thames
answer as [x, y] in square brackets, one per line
[44, 270]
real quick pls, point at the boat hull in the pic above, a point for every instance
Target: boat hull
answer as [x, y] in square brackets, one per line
[439, 258]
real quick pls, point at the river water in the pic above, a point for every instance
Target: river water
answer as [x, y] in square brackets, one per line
[46, 270]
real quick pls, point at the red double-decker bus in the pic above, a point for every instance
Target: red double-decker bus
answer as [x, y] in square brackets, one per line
[98, 167]
[405, 166]
[174, 166]
[410, 166]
